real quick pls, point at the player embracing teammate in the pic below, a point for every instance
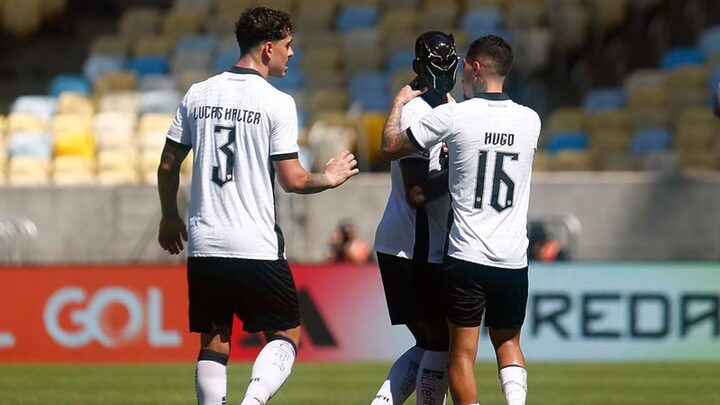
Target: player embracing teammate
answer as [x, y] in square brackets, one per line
[491, 142]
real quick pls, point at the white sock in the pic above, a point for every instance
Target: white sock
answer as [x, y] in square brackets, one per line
[271, 369]
[513, 380]
[432, 379]
[400, 382]
[211, 378]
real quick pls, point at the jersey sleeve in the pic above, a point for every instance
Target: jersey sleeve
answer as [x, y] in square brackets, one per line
[433, 128]
[179, 131]
[284, 131]
[411, 114]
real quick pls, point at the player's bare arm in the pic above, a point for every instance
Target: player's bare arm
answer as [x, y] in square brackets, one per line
[395, 141]
[293, 178]
[420, 185]
[172, 230]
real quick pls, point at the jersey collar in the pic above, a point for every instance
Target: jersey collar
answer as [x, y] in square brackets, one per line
[493, 96]
[243, 71]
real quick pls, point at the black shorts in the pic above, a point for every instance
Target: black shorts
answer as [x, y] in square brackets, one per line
[414, 290]
[260, 292]
[474, 288]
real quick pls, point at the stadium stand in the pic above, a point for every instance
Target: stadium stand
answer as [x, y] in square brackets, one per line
[615, 107]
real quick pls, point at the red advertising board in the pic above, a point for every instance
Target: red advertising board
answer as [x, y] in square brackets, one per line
[139, 313]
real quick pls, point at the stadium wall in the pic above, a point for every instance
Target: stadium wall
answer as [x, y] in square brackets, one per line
[576, 312]
[622, 217]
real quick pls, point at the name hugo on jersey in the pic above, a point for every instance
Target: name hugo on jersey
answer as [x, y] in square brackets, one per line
[494, 138]
[230, 114]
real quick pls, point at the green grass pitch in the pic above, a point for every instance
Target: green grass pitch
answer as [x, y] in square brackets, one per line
[356, 383]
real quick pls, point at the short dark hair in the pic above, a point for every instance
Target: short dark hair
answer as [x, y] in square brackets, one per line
[492, 49]
[259, 24]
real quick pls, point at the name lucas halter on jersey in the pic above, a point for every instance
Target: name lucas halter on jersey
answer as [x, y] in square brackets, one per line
[231, 114]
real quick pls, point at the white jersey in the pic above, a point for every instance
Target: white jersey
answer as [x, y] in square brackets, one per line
[492, 141]
[237, 124]
[404, 231]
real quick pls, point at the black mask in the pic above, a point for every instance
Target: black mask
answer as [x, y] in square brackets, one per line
[436, 60]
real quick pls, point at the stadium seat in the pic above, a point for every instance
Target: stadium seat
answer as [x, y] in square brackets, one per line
[225, 58]
[570, 23]
[74, 144]
[612, 140]
[188, 77]
[650, 118]
[110, 45]
[325, 79]
[481, 21]
[25, 123]
[37, 145]
[533, 46]
[115, 81]
[436, 16]
[327, 139]
[153, 45]
[138, 21]
[572, 160]
[642, 78]
[28, 171]
[713, 83]
[369, 139]
[709, 42]
[603, 99]
[401, 78]
[402, 5]
[202, 6]
[321, 59]
[700, 160]
[40, 106]
[149, 65]
[191, 60]
[648, 97]
[695, 117]
[177, 23]
[619, 161]
[399, 60]
[370, 91]
[114, 129]
[525, 14]
[75, 103]
[117, 159]
[609, 14]
[660, 161]
[155, 122]
[68, 122]
[221, 25]
[541, 161]
[563, 141]
[351, 18]
[696, 137]
[21, 17]
[121, 101]
[231, 7]
[118, 177]
[646, 141]
[69, 83]
[157, 82]
[316, 18]
[566, 120]
[160, 101]
[196, 42]
[152, 140]
[398, 20]
[73, 171]
[327, 100]
[681, 57]
[97, 65]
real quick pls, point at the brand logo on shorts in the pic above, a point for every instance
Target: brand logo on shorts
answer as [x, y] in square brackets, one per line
[74, 319]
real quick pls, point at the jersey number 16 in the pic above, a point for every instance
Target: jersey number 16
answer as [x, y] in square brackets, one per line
[499, 177]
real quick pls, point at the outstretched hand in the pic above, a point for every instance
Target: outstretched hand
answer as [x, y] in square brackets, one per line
[340, 168]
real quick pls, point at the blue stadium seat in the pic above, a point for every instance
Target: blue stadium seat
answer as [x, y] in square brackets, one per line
[294, 80]
[157, 82]
[196, 43]
[564, 141]
[41, 106]
[149, 65]
[73, 83]
[609, 98]
[160, 101]
[400, 60]
[30, 144]
[352, 18]
[96, 65]
[709, 42]
[646, 141]
[682, 56]
[370, 89]
[712, 83]
[225, 58]
[483, 21]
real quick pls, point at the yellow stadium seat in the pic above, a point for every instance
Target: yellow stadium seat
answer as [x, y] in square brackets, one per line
[137, 21]
[152, 140]
[75, 103]
[524, 14]
[330, 99]
[647, 97]
[231, 7]
[110, 45]
[79, 178]
[62, 123]
[121, 101]
[114, 129]
[572, 161]
[696, 138]
[286, 5]
[315, 18]
[410, 5]
[363, 60]
[686, 76]
[566, 119]
[74, 144]
[324, 79]
[189, 77]
[73, 164]
[179, 22]
[609, 120]
[687, 97]
[3, 126]
[692, 117]
[609, 140]
[326, 58]
[437, 15]
[153, 45]
[316, 40]
[471, 4]
[395, 21]
[370, 138]
[115, 81]
[118, 177]
[650, 117]
[21, 17]
[149, 161]
[28, 172]
[541, 161]
[17, 122]
[222, 25]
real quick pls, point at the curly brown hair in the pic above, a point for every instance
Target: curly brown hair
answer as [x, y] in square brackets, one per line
[259, 24]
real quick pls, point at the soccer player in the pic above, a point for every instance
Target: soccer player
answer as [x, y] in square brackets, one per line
[411, 236]
[243, 132]
[491, 142]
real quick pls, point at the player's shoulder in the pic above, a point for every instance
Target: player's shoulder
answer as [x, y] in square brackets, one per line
[418, 104]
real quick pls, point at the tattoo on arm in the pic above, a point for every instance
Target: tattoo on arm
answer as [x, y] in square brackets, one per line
[394, 139]
[315, 183]
[169, 178]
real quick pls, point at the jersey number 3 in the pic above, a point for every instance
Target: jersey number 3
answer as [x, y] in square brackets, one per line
[229, 155]
[499, 177]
